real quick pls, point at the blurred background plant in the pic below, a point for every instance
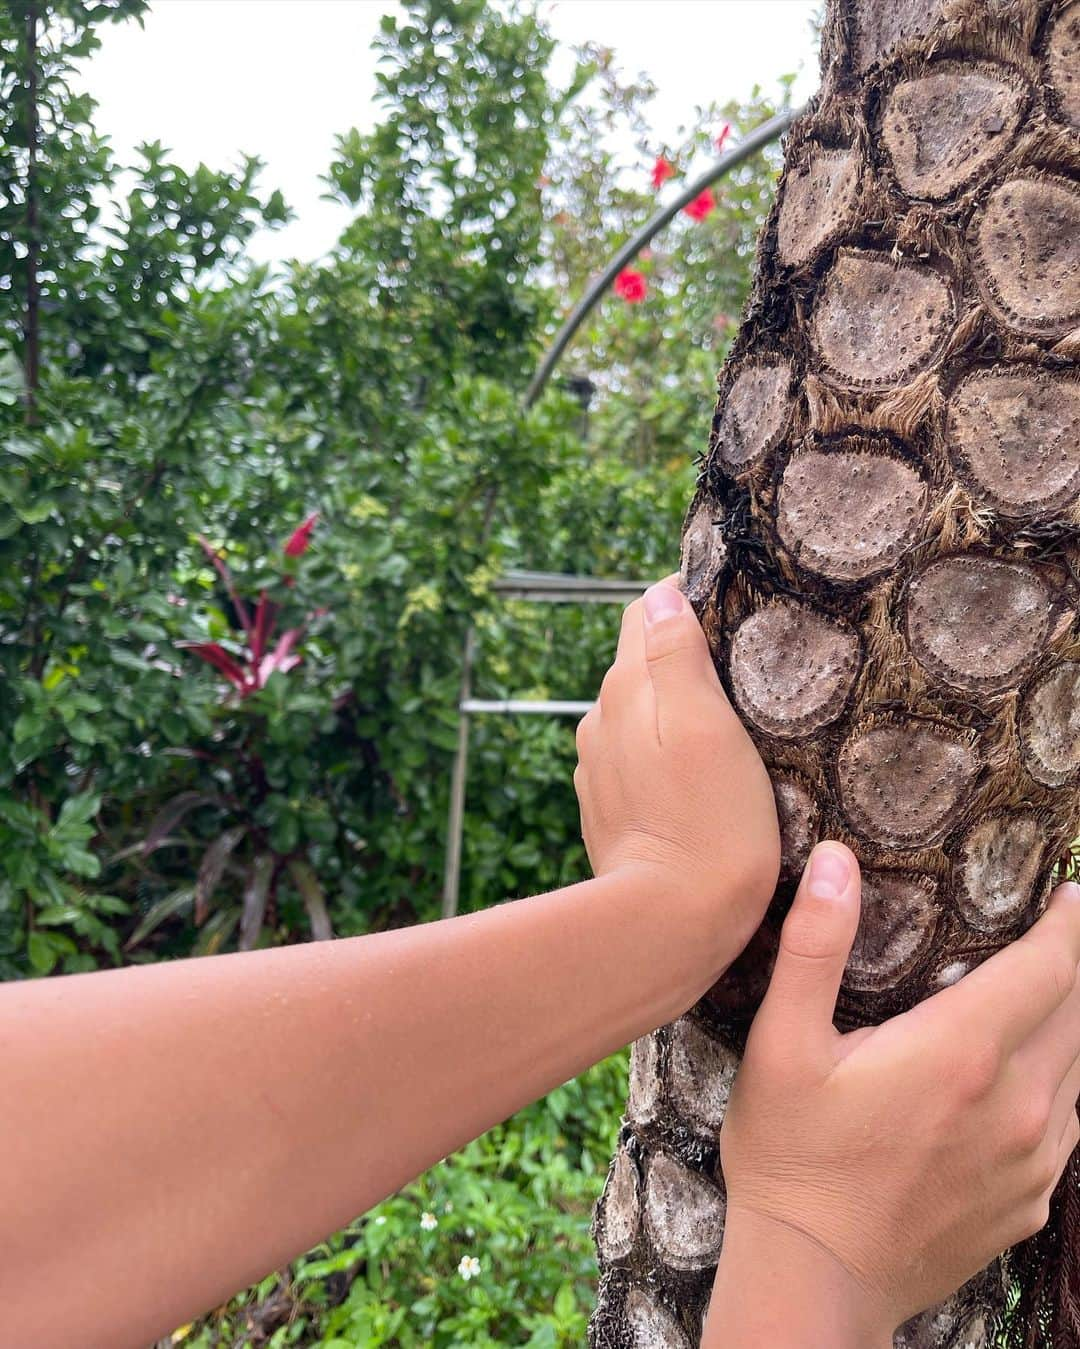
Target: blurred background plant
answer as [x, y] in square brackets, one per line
[157, 389]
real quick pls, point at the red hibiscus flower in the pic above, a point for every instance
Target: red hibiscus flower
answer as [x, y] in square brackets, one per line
[703, 205]
[630, 286]
[300, 538]
[725, 132]
[662, 170]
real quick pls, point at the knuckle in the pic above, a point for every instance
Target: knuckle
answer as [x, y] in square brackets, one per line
[1045, 1172]
[584, 733]
[670, 642]
[978, 1072]
[615, 685]
[1035, 1216]
[805, 938]
[1029, 1125]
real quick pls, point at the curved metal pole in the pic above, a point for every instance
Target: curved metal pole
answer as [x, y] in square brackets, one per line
[761, 135]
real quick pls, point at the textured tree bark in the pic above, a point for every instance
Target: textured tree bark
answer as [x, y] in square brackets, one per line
[883, 551]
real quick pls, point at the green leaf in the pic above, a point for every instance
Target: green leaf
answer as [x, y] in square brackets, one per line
[176, 901]
[256, 890]
[41, 952]
[77, 810]
[212, 868]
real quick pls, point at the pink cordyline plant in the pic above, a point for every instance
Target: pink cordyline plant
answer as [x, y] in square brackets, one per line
[249, 671]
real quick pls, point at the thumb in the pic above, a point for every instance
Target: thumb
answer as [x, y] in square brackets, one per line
[815, 944]
[676, 651]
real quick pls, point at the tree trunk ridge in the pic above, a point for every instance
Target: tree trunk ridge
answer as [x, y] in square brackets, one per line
[883, 550]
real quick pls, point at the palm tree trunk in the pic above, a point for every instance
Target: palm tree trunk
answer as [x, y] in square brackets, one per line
[883, 551]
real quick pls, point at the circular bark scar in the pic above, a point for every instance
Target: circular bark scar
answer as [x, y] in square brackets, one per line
[818, 204]
[1014, 438]
[902, 780]
[878, 322]
[684, 1213]
[978, 623]
[792, 668]
[1063, 63]
[701, 1070]
[1000, 859]
[896, 926]
[883, 27]
[849, 514]
[757, 410]
[798, 816]
[1050, 725]
[945, 129]
[643, 1095]
[618, 1226]
[650, 1325]
[703, 553]
[1025, 245]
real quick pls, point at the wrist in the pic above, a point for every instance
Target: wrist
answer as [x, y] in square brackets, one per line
[697, 925]
[777, 1286]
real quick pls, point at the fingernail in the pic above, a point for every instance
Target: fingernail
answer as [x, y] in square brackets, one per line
[662, 601]
[830, 871]
[1071, 891]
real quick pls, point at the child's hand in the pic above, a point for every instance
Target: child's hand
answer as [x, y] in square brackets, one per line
[906, 1155]
[669, 782]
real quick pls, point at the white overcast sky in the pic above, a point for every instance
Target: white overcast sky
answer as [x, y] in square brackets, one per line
[212, 79]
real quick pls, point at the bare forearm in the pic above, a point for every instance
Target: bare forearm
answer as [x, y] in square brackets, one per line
[171, 1133]
[775, 1287]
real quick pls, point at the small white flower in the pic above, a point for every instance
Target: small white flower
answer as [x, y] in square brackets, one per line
[469, 1267]
[379, 1220]
[448, 1207]
[428, 1222]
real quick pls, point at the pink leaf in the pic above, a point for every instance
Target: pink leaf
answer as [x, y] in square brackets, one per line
[281, 658]
[230, 585]
[219, 658]
[265, 613]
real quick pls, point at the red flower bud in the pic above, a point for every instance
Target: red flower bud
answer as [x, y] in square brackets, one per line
[703, 205]
[630, 286]
[662, 170]
[300, 538]
[725, 132]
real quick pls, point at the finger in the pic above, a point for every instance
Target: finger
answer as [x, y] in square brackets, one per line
[1048, 1056]
[1064, 1107]
[1010, 995]
[631, 647]
[587, 728]
[815, 943]
[1069, 1136]
[676, 652]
